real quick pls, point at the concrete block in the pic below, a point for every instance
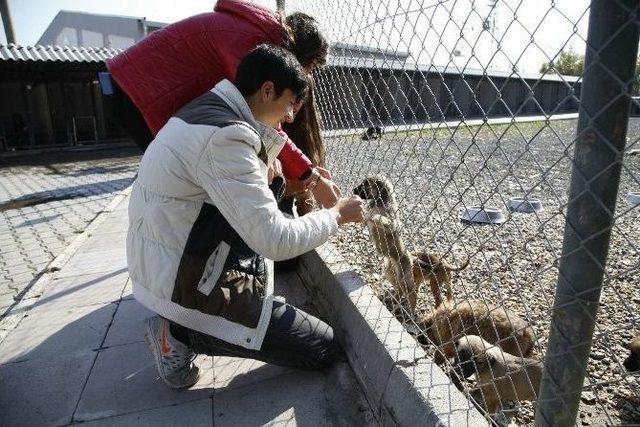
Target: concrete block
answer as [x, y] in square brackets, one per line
[112, 225]
[193, 414]
[128, 324]
[106, 261]
[20, 267]
[121, 215]
[125, 380]
[6, 299]
[100, 241]
[4, 306]
[435, 402]
[9, 256]
[299, 398]
[123, 206]
[231, 372]
[48, 332]
[86, 289]
[43, 392]
[22, 279]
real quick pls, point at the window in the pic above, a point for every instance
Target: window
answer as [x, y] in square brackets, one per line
[67, 37]
[92, 39]
[119, 42]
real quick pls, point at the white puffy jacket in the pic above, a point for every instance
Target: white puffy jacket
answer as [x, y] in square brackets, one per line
[203, 224]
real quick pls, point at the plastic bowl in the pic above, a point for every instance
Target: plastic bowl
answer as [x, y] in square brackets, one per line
[482, 215]
[524, 205]
[633, 198]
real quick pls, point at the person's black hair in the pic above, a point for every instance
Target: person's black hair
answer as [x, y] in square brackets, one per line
[306, 41]
[267, 63]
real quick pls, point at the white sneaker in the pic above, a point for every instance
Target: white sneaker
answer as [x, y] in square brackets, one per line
[173, 359]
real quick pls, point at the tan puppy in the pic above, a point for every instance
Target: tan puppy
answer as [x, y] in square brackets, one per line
[500, 376]
[498, 325]
[404, 270]
[382, 215]
[437, 271]
[423, 267]
[384, 227]
[632, 364]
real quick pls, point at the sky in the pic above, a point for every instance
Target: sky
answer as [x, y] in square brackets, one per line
[31, 17]
[522, 34]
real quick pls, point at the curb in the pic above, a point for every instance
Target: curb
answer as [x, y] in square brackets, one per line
[454, 123]
[19, 311]
[403, 386]
[110, 145]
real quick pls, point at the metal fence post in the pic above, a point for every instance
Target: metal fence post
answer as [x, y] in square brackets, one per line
[612, 46]
[7, 22]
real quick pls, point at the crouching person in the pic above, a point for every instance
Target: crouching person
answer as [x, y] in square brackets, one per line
[204, 229]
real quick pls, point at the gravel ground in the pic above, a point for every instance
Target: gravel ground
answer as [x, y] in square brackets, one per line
[514, 264]
[46, 200]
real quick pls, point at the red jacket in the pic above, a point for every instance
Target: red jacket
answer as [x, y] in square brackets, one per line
[175, 64]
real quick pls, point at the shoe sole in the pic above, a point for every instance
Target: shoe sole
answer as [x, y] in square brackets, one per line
[154, 346]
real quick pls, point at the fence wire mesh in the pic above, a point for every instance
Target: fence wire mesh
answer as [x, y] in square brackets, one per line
[444, 100]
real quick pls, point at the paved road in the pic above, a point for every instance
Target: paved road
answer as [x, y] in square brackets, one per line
[45, 201]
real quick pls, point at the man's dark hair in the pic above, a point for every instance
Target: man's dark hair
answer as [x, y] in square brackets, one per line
[307, 42]
[267, 63]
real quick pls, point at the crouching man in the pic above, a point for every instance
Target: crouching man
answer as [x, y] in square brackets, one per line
[204, 229]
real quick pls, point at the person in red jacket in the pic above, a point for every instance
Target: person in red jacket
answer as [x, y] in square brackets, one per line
[161, 73]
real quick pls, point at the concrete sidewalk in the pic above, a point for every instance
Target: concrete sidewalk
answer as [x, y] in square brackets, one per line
[46, 200]
[77, 355]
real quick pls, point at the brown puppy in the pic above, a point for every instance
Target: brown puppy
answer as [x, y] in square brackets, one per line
[632, 364]
[500, 376]
[498, 325]
[404, 270]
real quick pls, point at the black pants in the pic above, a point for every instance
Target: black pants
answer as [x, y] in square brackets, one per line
[121, 111]
[294, 338]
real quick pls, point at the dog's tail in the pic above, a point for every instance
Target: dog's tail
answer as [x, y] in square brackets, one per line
[425, 262]
[458, 268]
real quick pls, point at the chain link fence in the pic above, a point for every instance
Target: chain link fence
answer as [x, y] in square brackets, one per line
[465, 109]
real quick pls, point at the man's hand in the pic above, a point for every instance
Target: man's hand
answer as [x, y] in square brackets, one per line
[348, 210]
[323, 172]
[326, 192]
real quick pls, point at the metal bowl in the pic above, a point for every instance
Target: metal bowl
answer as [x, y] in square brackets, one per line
[482, 215]
[524, 205]
[633, 198]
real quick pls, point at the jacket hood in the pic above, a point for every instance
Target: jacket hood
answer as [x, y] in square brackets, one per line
[267, 20]
[271, 138]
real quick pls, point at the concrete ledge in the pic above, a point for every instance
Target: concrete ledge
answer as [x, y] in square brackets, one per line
[404, 387]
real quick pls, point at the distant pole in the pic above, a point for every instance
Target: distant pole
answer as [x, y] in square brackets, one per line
[280, 6]
[6, 21]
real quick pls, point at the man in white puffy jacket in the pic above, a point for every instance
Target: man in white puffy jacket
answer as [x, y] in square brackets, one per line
[204, 228]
